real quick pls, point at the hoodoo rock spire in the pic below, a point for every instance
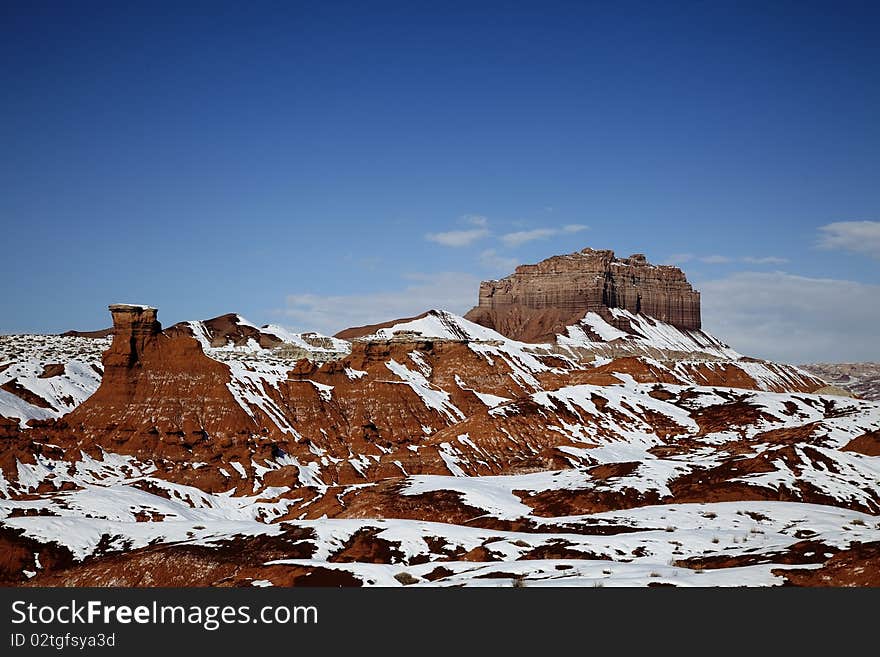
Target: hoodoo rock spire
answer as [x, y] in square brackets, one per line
[133, 327]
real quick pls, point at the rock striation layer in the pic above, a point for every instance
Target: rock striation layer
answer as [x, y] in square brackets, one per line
[133, 328]
[537, 301]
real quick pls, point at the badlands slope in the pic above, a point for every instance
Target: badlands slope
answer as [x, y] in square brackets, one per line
[436, 451]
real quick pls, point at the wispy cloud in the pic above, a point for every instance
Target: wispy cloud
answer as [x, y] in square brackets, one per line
[476, 220]
[490, 259]
[794, 318]
[522, 236]
[855, 236]
[452, 291]
[716, 259]
[465, 237]
[679, 258]
[764, 260]
[458, 238]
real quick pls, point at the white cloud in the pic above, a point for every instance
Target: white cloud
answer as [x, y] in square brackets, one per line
[716, 259]
[857, 236]
[522, 236]
[458, 238]
[476, 220]
[480, 230]
[764, 260]
[679, 258]
[490, 259]
[682, 258]
[456, 292]
[794, 318]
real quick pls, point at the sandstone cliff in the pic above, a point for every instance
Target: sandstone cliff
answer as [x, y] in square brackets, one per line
[537, 302]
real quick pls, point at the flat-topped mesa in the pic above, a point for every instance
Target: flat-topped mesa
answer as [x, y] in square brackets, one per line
[538, 301]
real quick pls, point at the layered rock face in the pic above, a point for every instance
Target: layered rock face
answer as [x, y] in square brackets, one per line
[537, 301]
[159, 393]
[133, 328]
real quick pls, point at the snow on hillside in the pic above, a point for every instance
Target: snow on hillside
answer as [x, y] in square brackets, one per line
[644, 334]
[293, 345]
[256, 372]
[28, 394]
[681, 352]
[658, 544]
[861, 379]
[308, 340]
[440, 324]
[628, 445]
[47, 376]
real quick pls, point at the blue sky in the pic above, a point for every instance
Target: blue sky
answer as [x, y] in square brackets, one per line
[301, 163]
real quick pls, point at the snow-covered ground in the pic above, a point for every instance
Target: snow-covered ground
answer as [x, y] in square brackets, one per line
[47, 376]
[669, 544]
[625, 443]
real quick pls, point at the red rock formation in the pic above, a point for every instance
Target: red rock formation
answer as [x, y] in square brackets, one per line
[103, 333]
[360, 331]
[416, 404]
[162, 396]
[9, 427]
[537, 301]
[159, 391]
[857, 566]
[227, 329]
[134, 327]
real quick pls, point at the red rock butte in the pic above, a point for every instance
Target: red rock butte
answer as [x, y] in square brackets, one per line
[538, 301]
